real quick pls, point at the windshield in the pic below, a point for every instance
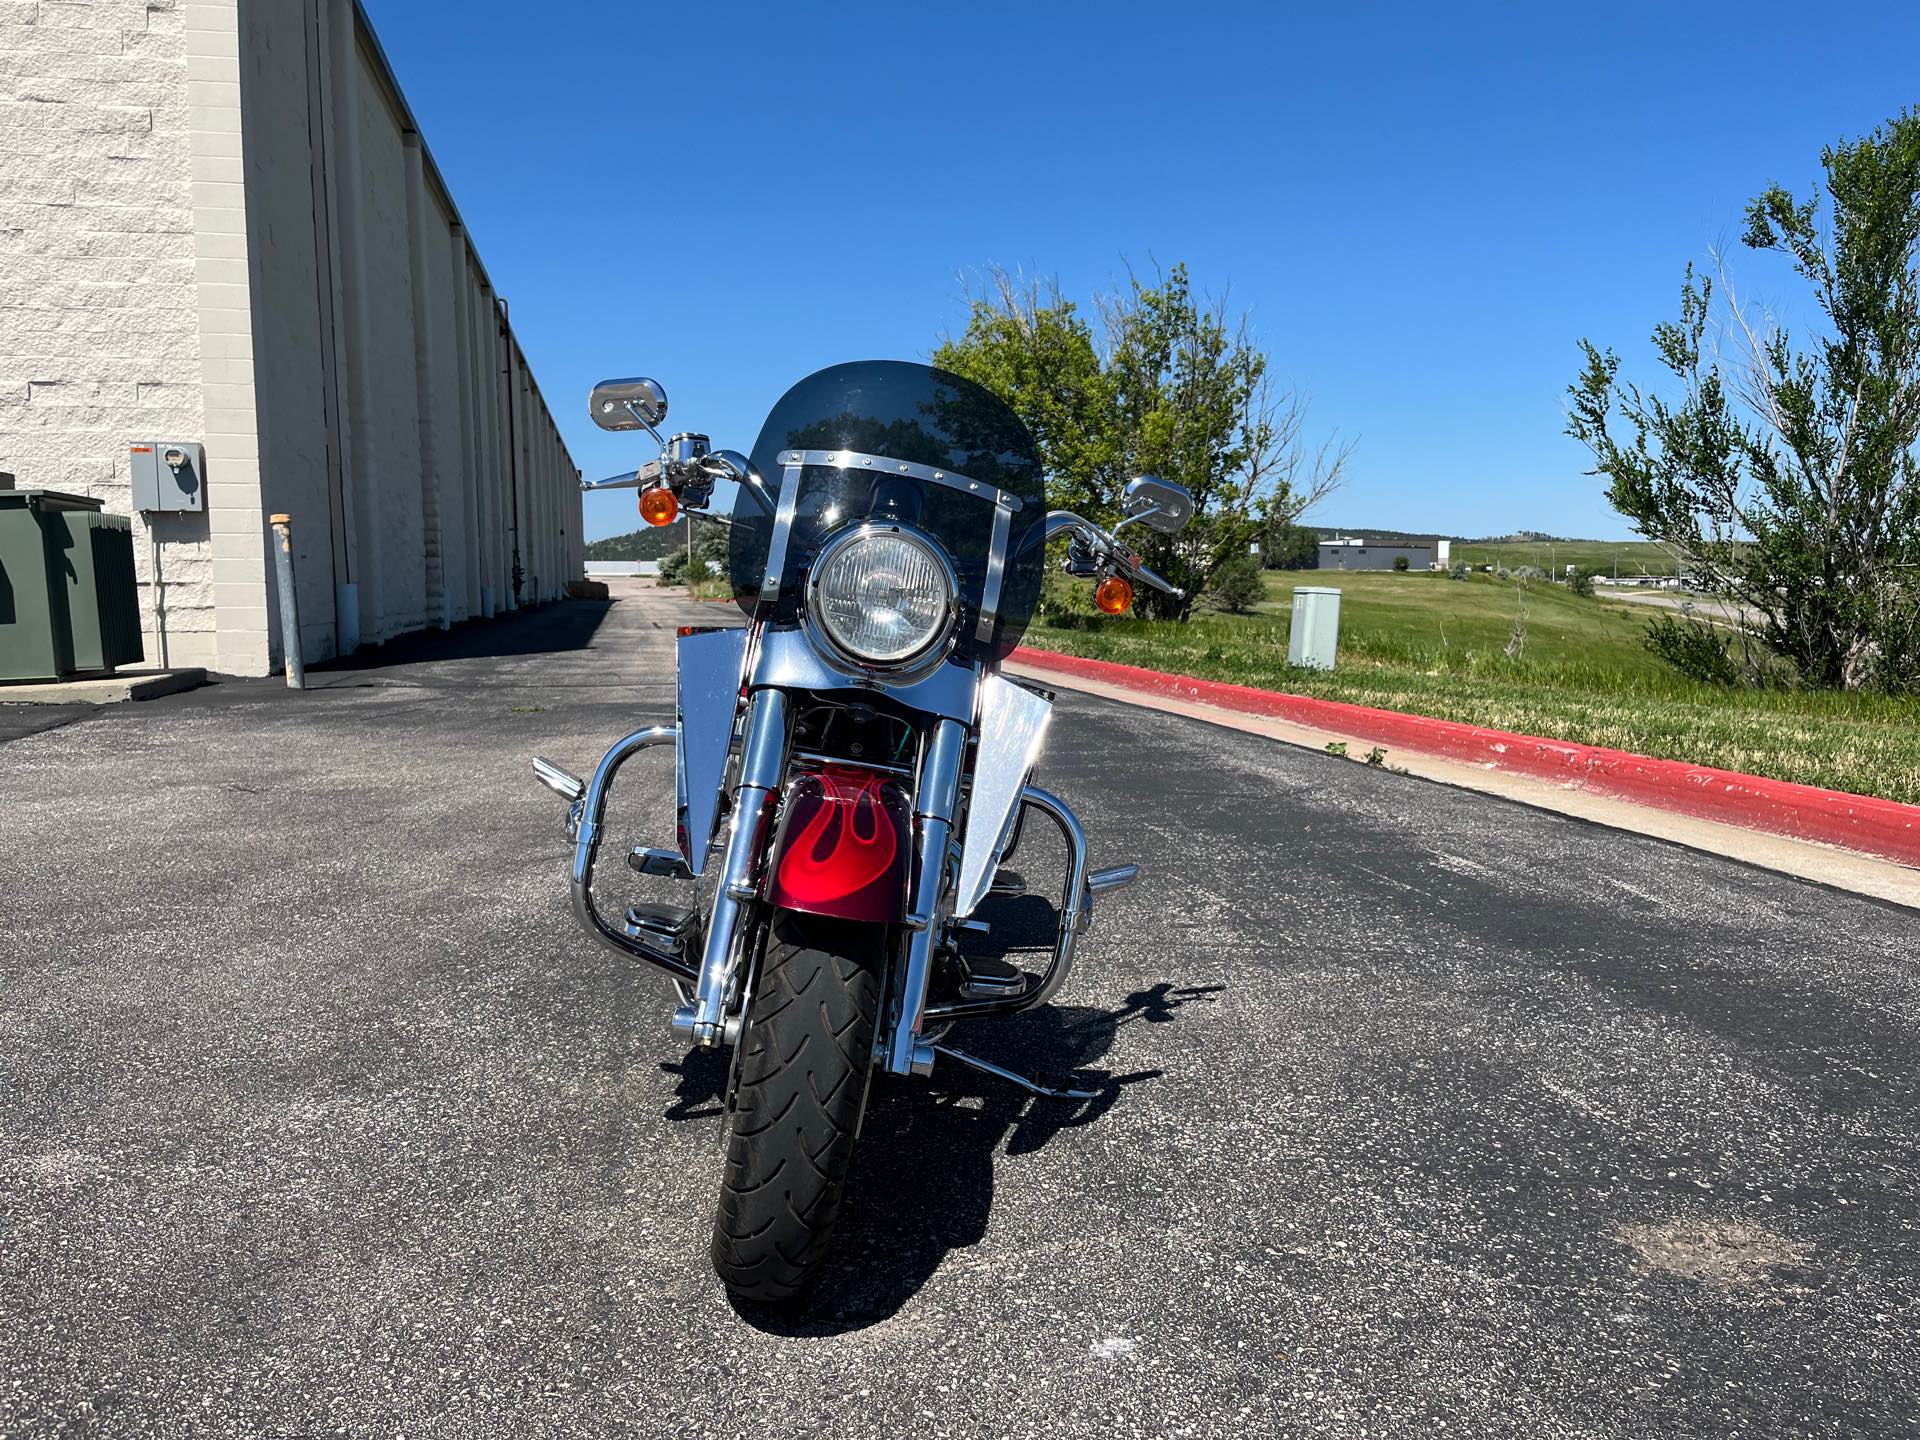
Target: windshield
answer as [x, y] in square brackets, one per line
[960, 467]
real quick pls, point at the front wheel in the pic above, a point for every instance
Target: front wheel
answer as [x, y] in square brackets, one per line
[806, 1048]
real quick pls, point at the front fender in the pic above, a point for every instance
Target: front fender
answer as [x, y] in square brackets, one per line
[842, 846]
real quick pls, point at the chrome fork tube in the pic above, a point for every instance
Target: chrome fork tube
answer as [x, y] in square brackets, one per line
[763, 763]
[936, 797]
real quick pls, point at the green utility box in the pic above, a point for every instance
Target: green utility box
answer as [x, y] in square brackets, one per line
[69, 602]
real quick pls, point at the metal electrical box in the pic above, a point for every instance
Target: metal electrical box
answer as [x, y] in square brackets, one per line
[168, 476]
[1315, 634]
[69, 603]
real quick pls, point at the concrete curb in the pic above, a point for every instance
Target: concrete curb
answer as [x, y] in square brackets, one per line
[106, 689]
[1804, 812]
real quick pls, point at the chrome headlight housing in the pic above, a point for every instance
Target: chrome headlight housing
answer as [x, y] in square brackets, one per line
[882, 595]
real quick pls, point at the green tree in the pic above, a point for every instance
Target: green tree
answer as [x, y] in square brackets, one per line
[1237, 586]
[1158, 382]
[1287, 546]
[1784, 475]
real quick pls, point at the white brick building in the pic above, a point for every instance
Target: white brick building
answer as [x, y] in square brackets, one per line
[218, 224]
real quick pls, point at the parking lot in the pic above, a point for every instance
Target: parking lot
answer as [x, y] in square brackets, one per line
[1424, 1113]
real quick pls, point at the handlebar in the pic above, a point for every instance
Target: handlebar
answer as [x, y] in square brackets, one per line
[646, 475]
[1107, 550]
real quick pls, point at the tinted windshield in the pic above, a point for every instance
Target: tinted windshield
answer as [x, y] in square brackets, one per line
[940, 432]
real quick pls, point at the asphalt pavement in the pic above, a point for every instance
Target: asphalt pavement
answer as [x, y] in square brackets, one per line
[1423, 1113]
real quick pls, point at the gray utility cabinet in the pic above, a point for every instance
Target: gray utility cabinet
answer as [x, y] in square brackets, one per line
[69, 600]
[1315, 634]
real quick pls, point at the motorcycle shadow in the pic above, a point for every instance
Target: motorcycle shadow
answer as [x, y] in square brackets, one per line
[923, 1172]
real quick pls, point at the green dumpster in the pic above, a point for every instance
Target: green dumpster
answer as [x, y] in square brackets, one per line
[69, 602]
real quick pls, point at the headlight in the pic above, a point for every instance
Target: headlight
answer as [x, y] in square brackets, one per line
[882, 595]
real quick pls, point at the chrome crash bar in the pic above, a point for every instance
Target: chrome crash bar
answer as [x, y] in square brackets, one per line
[586, 809]
[1076, 914]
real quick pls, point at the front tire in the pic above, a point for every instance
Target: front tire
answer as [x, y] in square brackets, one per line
[805, 1053]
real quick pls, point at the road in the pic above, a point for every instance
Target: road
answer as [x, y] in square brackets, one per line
[1671, 600]
[1425, 1113]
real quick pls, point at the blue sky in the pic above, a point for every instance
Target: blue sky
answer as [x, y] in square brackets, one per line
[1425, 207]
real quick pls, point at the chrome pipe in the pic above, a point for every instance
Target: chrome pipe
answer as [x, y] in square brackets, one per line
[589, 809]
[1076, 913]
[763, 763]
[936, 796]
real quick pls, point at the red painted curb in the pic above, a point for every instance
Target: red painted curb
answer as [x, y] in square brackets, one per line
[1832, 817]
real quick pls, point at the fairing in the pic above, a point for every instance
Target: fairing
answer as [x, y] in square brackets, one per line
[916, 416]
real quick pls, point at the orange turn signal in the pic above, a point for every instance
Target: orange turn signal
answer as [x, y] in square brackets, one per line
[1113, 595]
[659, 506]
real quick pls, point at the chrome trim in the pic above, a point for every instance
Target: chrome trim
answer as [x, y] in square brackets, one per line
[661, 864]
[936, 795]
[857, 460]
[782, 531]
[732, 465]
[996, 575]
[989, 1068]
[643, 400]
[788, 659]
[1012, 727]
[1111, 879]
[639, 480]
[564, 783]
[762, 765]
[1075, 915]
[592, 806]
[706, 695]
[823, 638]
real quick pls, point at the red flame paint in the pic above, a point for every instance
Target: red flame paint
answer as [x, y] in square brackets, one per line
[842, 849]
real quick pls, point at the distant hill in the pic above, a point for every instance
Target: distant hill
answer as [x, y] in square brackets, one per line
[649, 542]
[1370, 532]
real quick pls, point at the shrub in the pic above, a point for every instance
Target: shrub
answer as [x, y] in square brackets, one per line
[1458, 570]
[1581, 581]
[1236, 585]
[1528, 572]
[673, 567]
[1695, 649]
[711, 546]
[1400, 563]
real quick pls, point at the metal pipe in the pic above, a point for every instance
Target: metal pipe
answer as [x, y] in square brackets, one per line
[289, 601]
[936, 797]
[1076, 913]
[586, 817]
[763, 763]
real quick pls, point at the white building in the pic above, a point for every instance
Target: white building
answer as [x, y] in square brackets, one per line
[219, 225]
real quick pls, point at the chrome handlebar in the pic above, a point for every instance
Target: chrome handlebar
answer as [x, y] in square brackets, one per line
[1108, 552]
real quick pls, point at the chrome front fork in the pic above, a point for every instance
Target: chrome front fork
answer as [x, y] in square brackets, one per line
[763, 762]
[936, 797]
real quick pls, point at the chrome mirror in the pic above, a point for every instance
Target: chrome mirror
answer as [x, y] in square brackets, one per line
[1161, 504]
[636, 404]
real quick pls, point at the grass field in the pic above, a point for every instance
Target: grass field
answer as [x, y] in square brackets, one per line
[1432, 646]
[1609, 557]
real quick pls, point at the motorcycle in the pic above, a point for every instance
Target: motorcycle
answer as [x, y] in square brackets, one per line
[852, 768]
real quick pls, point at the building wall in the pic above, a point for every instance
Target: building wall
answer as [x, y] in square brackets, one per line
[99, 305]
[219, 223]
[1374, 557]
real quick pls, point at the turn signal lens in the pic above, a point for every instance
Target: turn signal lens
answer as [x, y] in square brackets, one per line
[1113, 595]
[658, 506]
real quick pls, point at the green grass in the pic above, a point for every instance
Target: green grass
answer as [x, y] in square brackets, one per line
[1431, 646]
[1632, 557]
